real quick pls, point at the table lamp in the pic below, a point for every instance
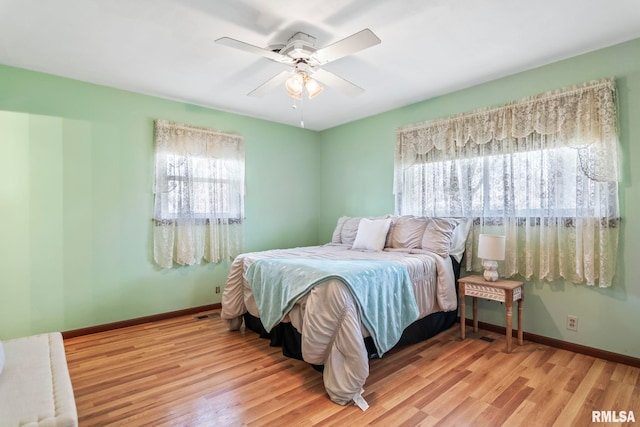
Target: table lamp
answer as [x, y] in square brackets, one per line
[491, 250]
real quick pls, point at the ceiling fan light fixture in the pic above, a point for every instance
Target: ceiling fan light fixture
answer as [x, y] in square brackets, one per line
[294, 85]
[301, 53]
[313, 88]
[296, 96]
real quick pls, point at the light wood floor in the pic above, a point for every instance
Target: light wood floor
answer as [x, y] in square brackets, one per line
[187, 372]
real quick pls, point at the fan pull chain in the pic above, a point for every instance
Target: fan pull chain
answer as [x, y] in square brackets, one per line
[294, 107]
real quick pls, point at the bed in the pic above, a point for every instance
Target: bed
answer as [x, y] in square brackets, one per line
[380, 283]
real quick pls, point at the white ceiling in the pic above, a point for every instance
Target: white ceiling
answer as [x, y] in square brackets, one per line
[166, 48]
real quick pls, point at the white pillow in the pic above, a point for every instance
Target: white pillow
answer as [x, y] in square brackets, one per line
[1, 357]
[459, 238]
[347, 228]
[372, 234]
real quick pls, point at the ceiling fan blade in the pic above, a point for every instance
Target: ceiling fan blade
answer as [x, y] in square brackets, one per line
[338, 83]
[269, 54]
[270, 84]
[354, 43]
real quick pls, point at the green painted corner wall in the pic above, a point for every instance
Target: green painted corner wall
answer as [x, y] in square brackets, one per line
[76, 202]
[357, 176]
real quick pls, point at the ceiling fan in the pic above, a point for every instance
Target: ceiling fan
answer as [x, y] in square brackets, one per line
[306, 60]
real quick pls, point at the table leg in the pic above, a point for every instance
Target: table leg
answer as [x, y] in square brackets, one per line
[475, 314]
[509, 327]
[462, 310]
[520, 309]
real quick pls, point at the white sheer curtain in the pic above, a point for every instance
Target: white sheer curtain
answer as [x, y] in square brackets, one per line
[543, 171]
[199, 194]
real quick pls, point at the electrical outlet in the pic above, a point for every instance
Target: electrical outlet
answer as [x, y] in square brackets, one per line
[217, 289]
[572, 323]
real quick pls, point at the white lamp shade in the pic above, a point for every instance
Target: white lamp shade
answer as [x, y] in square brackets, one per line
[491, 246]
[313, 88]
[294, 86]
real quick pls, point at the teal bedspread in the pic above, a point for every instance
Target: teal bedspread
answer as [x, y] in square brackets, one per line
[382, 290]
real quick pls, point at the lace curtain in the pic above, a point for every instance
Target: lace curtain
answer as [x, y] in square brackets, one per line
[543, 171]
[199, 194]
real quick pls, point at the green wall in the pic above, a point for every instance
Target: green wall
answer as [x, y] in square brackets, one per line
[76, 202]
[357, 176]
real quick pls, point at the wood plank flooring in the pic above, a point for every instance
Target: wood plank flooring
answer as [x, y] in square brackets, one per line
[188, 372]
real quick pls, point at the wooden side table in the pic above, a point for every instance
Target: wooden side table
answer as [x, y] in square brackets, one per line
[506, 291]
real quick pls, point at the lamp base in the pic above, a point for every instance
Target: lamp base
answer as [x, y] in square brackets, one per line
[490, 270]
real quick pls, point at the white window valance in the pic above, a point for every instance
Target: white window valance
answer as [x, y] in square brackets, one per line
[543, 171]
[581, 117]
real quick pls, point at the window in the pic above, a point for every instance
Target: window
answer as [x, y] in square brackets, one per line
[542, 171]
[532, 184]
[199, 194]
[200, 189]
